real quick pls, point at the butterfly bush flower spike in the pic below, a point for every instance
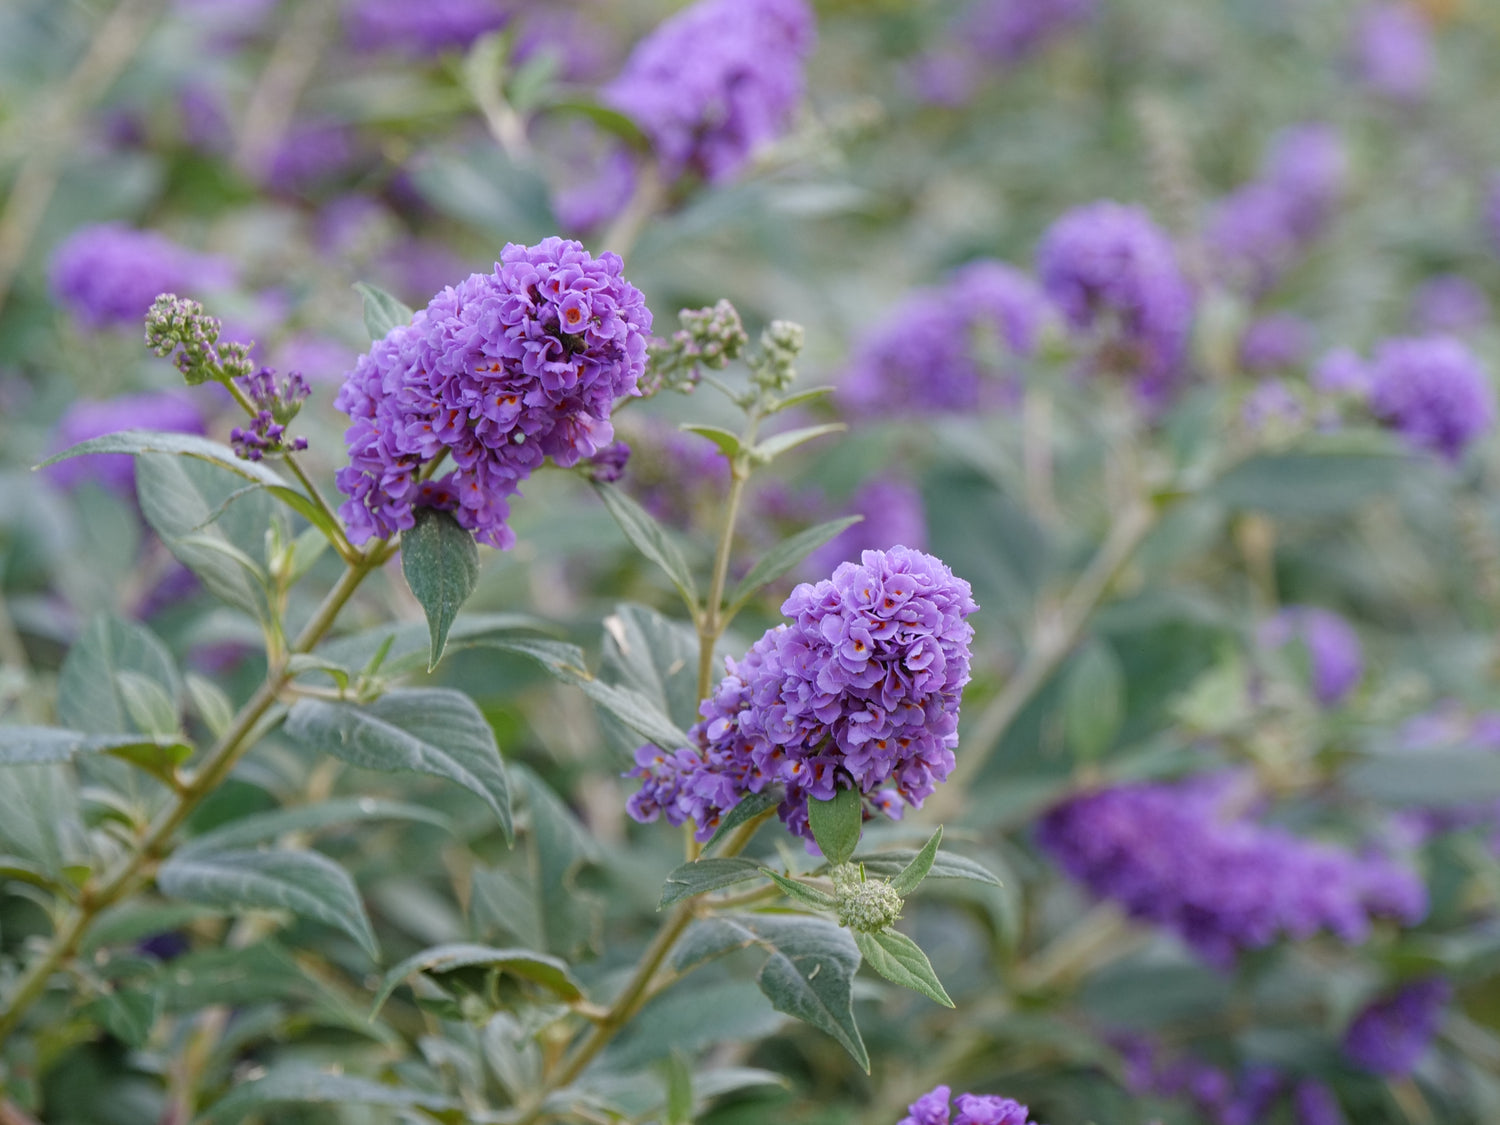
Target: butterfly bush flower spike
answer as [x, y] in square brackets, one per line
[1434, 392]
[1390, 1035]
[859, 690]
[494, 376]
[938, 1108]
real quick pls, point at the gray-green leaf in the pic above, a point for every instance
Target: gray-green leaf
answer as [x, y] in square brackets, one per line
[836, 824]
[651, 539]
[915, 871]
[899, 959]
[441, 564]
[550, 972]
[706, 875]
[785, 555]
[306, 883]
[1093, 701]
[428, 730]
[383, 312]
[300, 1083]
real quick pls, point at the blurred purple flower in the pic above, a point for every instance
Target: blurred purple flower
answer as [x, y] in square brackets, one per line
[716, 82]
[1270, 405]
[578, 38]
[1342, 372]
[1115, 276]
[597, 191]
[1393, 50]
[942, 348]
[321, 359]
[1225, 1099]
[893, 516]
[418, 28]
[109, 274]
[1007, 31]
[1433, 391]
[311, 154]
[973, 1109]
[1449, 303]
[1391, 1034]
[1335, 659]
[85, 418]
[1275, 342]
[1315, 1104]
[1177, 855]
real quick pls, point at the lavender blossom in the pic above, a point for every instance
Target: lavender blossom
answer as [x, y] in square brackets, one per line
[1393, 52]
[861, 690]
[893, 516]
[933, 1108]
[421, 29]
[1315, 1104]
[1275, 342]
[948, 349]
[1342, 372]
[1449, 303]
[1178, 856]
[108, 275]
[1391, 1034]
[1434, 392]
[716, 82]
[497, 374]
[85, 418]
[1333, 650]
[1255, 234]
[1115, 276]
[312, 154]
[277, 402]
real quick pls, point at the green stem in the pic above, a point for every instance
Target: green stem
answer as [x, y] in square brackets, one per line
[712, 622]
[138, 867]
[1055, 638]
[635, 993]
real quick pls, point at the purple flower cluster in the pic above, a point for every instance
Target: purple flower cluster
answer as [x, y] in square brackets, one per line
[937, 1106]
[428, 28]
[1390, 1035]
[861, 690]
[277, 402]
[1246, 1098]
[504, 370]
[1257, 233]
[109, 274]
[893, 515]
[1449, 303]
[948, 349]
[1393, 52]
[87, 418]
[1334, 657]
[1177, 855]
[1433, 391]
[1275, 342]
[1114, 274]
[716, 82]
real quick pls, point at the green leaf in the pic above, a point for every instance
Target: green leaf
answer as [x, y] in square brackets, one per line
[1309, 484]
[148, 704]
[773, 447]
[801, 892]
[656, 656]
[540, 968]
[810, 974]
[728, 442]
[836, 824]
[899, 959]
[651, 539]
[708, 938]
[706, 875]
[300, 1083]
[260, 827]
[383, 312]
[914, 872]
[610, 120]
[1427, 778]
[409, 645]
[945, 865]
[441, 564]
[88, 690]
[745, 810]
[179, 498]
[434, 731]
[128, 1014]
[1093, 701]
[184, 445]
[677, 1079]
[160, 758]
[800, 398]
[785, 555]
[40, 823]
[213, 706]
[306, 883]
[33, 745]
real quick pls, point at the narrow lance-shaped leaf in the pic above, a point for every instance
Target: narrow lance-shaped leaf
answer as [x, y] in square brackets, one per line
[778, 444]
[441, 564]
[427, 730]
[651, 539]
[750, 806]
[899, 959]
[915, 871]
[801, 892]
[23, 746]
[260, 827]
[945, 865]
[836, 824]
[728, 442]
[382, 311]
[187, 445]
[704, 875]
[784, 556]
[300, 1083]
[307, 883]
[540, 968]
[1093, 701]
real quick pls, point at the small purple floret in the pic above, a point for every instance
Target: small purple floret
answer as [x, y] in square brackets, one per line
[1390, 1035]
[1433, 391]
[933, 1108]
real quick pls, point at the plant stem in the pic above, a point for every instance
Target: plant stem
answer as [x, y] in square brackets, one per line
[712, 621]
[635, 993]
[622, 233]
[139, 865]
[1053, 640]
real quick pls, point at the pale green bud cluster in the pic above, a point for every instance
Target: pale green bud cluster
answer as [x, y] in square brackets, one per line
[865, 905]
[709, 337]
[773, 369]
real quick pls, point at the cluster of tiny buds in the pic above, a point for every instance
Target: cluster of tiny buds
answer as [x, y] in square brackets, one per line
[178, 327]
[866, 905]
[709, 337]
[773, 369]
[264, 435]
